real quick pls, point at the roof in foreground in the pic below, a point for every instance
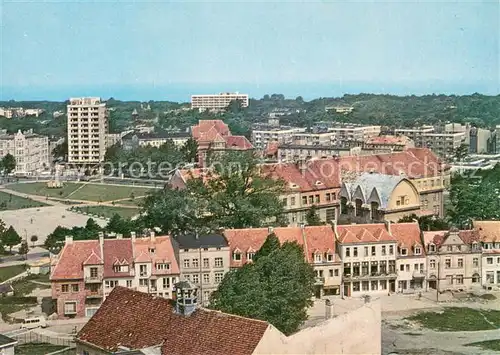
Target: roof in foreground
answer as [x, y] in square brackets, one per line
[138, 320]
[5, 340]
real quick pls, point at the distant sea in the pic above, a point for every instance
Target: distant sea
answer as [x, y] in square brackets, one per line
[182, 92]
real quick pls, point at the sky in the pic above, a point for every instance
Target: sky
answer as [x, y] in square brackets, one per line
[169, 50]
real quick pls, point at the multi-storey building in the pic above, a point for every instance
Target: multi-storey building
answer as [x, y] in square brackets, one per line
[135, 140]
[489, 237]
[85, 272]
[217, 102]
[368, 253]
[87, 130]
[297, 152]
[453, 259]
[30, 150]
[318, 243]
[264, 134]
[203, 260]
[387, 144]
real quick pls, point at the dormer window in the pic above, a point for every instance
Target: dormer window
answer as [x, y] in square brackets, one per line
[250, 256]
[318, 183]
[120, 268]
[237, 256]
[163, 266]
[329, 257]
[151, 250]
[432, 247]
[418, 251]
[317, 258]
[404, 251]
[293, 186]
[475, 246]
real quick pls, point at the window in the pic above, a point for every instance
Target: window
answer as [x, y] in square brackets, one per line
[129, 283]
[374, 252]
[64, 288]
[355, 286]
[143, 270]
[311, 200]
[195, 263]
[460, 279]
[166, 282]
[196, 278]
[292, 201]
[404, 251]
[449, 248]
[206, 263]
[432, 264]
[163, 266]
[285, 201]
[407, 267]
[316, 199]
[447, 263]
[120, 268]
[374, 285]
[366, 286]
[143, 282]
[459, 247]
[236, 256]
[304, 200]
[391, 249]
[489, 261]
[250, 256]
[330, 273]
[151, 250]
[218, 277]
[432, 247]
[74, 288]
[70, 307]
[475, 278]
[401, 267]
[206, 278]
[336, 272]
[110, 283]
[218, 262]
[383, 250]
[186, 263]
[328, 197]
[186, 250]
[366, 251]
[93, 272]
[347, 252]
[460, 262]
[418, 251]
[355, 251]
[206, 296]
[449, 280]
[475, 262]
[383, 284]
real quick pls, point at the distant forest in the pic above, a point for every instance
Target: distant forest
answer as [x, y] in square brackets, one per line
[386, 110]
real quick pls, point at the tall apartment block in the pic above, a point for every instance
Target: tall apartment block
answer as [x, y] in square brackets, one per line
[87, 129]
[30, 150]
[217, 102]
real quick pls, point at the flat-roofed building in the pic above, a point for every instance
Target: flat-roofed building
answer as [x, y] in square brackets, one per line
[217, 102]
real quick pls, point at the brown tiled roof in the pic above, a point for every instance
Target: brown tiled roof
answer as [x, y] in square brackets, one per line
[204, 126]
[408, 235]
[137, 320]
[238, 143]
[164, 253]
[489, 231]
[117, 252]
[364, 233]
[438, 237]
[71, 258]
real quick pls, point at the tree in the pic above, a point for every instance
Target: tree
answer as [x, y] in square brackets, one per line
[2, 227]
[190, 150]
[92, 226]
[23, 249]
[118, 225]
[312, 217]
[427, 223]
[461, 152]
[11, 238]
[61, 150]
[271, 244]
[34, 239]
[276, 288]
[8, 163]
[56, 239]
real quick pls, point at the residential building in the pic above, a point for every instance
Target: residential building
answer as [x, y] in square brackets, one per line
[479, 140]
[7, 345]
[489, 237]
[262, 135]
[340, 109]
[113, 138]
[373, 197]
[453, 259]
[138, 323]
[297, 152]
[214, 136]
[411, 260]
[6, 112]
[203, 260]
[217, 102]
[387, 144]
[85, 272]
[369, 254]
[318, 243]
[133, 140]
[87, 130]
[30, 150]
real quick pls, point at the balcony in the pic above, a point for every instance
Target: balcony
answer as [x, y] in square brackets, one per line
[418, 274]
[319, 280]
[93, 279]
[94, 294]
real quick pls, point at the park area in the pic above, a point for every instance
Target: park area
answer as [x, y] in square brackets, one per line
[13, 202]
[107, 211]
[83, 191]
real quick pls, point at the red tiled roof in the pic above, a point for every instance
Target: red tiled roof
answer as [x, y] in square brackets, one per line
[72, 257]
[164, 253]
[204, 126]
[438, 237]
[271, 149]
[489, 231]
[318, 238]
[238, 143]
[137, 320]
[117, 251]
[364, 233]
[388, 139]
[408, 235]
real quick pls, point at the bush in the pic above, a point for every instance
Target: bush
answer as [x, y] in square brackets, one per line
[18, 300]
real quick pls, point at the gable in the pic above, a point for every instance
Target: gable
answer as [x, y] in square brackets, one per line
[453, 239]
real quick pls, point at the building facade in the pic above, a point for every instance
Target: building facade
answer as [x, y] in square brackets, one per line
[87, 130]
[203, 261]
[489, 236]
[264, 134]
[30, 150]
[217, 102]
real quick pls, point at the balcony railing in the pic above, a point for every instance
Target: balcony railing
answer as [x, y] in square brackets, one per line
[93, 279]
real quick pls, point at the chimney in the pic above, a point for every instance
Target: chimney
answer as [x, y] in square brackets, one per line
[152, 235]
[302, 226]
[119, 236]
[69, 239]
[101, 240]
[388, 226]
[328, 309]
[270, 229]
[132, 236]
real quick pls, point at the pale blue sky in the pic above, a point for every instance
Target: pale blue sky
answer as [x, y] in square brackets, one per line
[166, 50]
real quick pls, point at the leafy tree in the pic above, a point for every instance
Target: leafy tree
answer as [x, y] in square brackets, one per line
[11, 238]
[34, 239]
[276, 287]
[117, 224]
[8, 163]
[61, 150]
[56, 238]
[3, 227]
[23, 249]
[190, 150]
[92, 226]
[312, 217]
[427, 223]
[461, 152]
[271, 244]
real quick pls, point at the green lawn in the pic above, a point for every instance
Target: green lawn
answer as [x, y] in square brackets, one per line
[129, 202]
[24, 286]
[10, 271]
[109, 211]
[89, 192]
[487, 345]
[37, 348]
[13, 202]
[458, 319]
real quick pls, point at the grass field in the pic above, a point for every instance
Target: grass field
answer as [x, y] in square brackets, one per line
[13, 202]
[24, 286]
[487, 345]
[89, 192]
[109, 211]
[459, 319]
[10, 271]
[37, 348]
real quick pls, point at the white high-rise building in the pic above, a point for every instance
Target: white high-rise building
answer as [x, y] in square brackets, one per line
[87, 129]
[217, 102]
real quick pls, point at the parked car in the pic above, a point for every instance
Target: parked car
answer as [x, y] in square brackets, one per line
[34, 322]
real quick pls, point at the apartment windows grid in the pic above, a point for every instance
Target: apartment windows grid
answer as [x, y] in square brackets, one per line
[195, 263]
[219, 262]
[206, 263]
[195, 279]
[186, 263]
[218, 277]
[206, 278]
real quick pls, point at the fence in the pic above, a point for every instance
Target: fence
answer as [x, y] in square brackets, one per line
[33, 337]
